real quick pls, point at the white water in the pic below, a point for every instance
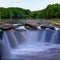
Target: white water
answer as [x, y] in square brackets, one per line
[6, 48]
[20, 36]
[31, 36]
[32, 43]
[54, 37]
[43, 36]
[12, 38]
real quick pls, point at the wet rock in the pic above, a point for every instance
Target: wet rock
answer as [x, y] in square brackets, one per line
[6, 27]
[16, 25]
[21, 28]
[47, 27]
[43, 27]
[30, 26]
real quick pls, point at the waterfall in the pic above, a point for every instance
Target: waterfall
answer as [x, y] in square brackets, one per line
[1, 33]
[43, 37]
[54, 37]
[49, 33]
[32, 36]
[39, 35]
[5, 46]
[12, 39]
[20, 36]
[58, 41]
[6, 40]
[12, 47]
[0, 47]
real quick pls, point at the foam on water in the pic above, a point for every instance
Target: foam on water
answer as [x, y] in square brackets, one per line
[34, 47]
[33, 42]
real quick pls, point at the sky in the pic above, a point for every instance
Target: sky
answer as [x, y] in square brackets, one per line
[28, 4]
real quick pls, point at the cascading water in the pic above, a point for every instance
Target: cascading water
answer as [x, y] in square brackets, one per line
[6, 48]
[54, 37]
[58, 41]
[21, 36]
[43, 36]
[48, 35]
[32, 36]
[11, 39]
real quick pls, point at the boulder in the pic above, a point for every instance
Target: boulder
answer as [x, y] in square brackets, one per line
[43, 27]
[47, 27]
[6, 27]
[20, 28]
[30, 26]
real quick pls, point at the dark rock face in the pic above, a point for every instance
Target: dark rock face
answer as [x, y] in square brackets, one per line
[50, 27]
[1, 34]
[43, 27]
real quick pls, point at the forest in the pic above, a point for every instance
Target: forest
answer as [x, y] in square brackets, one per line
[51, 11]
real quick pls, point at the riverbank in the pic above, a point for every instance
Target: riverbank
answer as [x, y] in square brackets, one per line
[49, 21]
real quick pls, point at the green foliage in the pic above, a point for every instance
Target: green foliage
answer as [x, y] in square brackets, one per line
[51, 11]
[13, 13]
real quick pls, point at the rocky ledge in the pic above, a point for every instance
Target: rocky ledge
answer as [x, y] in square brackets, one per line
[6, 27]
[28, 26]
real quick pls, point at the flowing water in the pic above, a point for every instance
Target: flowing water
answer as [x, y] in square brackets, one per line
[54, 37]
[43, 36]
[16, 44]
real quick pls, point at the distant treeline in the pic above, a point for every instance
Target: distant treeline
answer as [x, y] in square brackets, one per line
[14, 12]
[51, 11]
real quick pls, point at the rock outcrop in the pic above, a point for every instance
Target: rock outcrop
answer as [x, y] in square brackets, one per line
[6, 27]
[47, 27]
[30, 26]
